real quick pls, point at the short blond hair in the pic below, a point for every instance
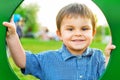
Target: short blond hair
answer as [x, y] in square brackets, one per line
[75, 10]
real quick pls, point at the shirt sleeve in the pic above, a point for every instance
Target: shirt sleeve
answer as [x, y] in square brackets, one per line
[101, 67]
[32, 65]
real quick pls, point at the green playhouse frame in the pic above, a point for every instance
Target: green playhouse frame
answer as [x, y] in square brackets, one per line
[109, 8]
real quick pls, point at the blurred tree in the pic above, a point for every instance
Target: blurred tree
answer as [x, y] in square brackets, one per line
[102, 32]
[101, 28]
[29, 14]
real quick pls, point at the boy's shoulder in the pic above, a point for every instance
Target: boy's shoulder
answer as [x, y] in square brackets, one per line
[49, 53]
[98, 53]
[94, 50]
[44, 55]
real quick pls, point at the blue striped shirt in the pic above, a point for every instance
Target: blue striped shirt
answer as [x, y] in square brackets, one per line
[62, 65]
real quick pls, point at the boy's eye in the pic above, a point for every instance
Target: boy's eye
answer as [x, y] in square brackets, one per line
[84, 29]
[70, 29]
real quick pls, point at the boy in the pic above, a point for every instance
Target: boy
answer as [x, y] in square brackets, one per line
[75, 60]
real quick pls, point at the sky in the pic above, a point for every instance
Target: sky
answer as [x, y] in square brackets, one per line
[49, 9]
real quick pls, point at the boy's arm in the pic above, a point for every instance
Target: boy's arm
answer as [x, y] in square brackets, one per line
[108, 50]
[15, 47]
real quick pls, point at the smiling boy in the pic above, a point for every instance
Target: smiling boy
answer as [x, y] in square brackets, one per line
[75, 60]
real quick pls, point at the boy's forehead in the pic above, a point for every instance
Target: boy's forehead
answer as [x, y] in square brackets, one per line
[80, 20]
[75, 16]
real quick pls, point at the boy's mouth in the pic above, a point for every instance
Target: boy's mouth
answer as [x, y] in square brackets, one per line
[78, 40]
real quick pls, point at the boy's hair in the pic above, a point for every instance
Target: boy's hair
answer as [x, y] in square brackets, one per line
[75, 10]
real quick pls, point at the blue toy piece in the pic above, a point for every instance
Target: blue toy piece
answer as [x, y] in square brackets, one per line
[16, 17]
[7, 8]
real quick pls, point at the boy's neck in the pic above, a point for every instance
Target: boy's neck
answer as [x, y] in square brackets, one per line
[77, 52]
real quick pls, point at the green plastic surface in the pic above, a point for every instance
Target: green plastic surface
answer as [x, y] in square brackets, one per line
[111, 9]
[7, 8]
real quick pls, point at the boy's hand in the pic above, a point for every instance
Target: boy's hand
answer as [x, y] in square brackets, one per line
[109, 48]
[11, 27]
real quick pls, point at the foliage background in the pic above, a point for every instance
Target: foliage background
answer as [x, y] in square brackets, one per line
[29, 14]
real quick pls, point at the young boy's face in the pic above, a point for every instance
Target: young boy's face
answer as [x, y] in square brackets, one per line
[76, 33]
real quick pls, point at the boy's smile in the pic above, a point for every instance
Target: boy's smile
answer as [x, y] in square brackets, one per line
[78, 41]
[76, 33]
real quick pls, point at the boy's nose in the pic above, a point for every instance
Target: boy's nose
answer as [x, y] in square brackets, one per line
[78, 33]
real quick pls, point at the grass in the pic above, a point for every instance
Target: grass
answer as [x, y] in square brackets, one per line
[36, 46]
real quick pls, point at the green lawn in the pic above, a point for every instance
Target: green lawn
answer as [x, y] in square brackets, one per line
[36, 45]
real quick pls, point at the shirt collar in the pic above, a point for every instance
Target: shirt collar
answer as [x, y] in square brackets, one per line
[67, 55]
[87, 52]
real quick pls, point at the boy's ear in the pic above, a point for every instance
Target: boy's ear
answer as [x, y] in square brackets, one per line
[94, 32]
[59, 34]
